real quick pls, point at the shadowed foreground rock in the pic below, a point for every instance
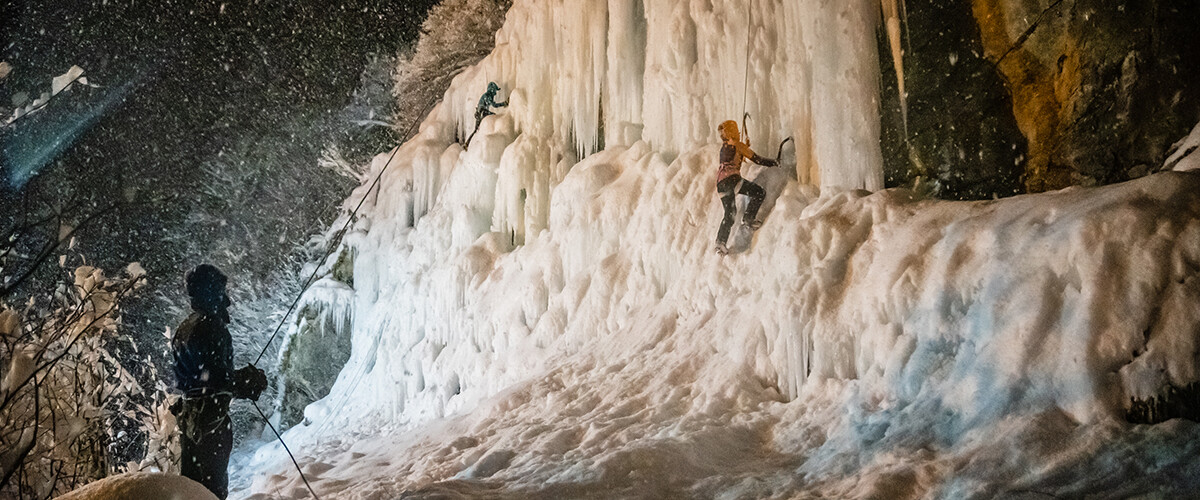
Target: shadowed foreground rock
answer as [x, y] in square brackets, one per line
[141, 485]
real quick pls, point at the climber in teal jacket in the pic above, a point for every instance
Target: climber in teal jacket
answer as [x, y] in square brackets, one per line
[484, 108]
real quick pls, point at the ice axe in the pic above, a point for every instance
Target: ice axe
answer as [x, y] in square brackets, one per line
[746, 135]
[781, 143]
[745, 131]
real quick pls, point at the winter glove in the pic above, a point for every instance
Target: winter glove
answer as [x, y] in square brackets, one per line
[249, 382]
[766, 162]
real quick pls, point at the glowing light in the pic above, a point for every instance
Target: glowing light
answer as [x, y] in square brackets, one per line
[40, 138]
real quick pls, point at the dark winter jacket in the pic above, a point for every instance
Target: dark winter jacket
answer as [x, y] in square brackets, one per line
[734, 152]
[203, 353]
[487, 102]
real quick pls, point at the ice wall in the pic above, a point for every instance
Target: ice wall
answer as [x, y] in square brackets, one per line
[583, 75]
[653, 77]
[575, 306]
[859, 339]
[316, 347]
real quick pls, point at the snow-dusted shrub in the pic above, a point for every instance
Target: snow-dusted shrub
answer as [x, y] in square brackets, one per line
[65, 396]
[455, 35]
[25, 106]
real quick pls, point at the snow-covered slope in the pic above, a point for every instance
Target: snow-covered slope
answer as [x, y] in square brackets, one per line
[527, 324]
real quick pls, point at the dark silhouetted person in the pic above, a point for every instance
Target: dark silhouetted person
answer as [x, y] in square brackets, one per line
[203, 352]
[484, 108]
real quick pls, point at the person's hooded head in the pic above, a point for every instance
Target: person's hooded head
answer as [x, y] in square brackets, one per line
[206, 287]
[493, 88]
[729, 131]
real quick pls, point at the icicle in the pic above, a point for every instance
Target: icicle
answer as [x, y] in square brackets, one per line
[891, 17]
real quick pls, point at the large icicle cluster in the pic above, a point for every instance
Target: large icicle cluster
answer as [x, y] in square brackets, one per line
[613, 73]
[568, 319]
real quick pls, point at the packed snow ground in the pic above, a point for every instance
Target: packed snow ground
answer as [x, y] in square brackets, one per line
[526, 324]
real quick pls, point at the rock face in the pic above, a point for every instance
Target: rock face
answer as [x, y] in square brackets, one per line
[960, 133]
[316, 351]
[1098, 90]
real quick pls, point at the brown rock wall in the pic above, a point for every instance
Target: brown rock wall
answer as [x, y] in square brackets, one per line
[1011, 96]
[1100, 87]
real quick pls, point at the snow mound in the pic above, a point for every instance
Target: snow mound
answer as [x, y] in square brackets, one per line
[540, 316]
[141, 485]
[1185, 154]
[864, 340]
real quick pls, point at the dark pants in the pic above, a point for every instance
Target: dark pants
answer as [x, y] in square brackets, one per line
[726, 188]
[480, 114]
[206, 439]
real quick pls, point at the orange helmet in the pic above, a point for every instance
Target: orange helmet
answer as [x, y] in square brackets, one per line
[729, 130]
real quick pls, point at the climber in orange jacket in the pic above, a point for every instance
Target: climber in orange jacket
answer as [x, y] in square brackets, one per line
[730, 182]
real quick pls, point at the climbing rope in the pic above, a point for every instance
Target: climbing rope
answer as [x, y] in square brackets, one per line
[285, 448]
[746, 78]
[311, 277]
[333, 244]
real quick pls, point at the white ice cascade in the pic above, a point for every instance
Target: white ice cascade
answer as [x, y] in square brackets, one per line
[580, 70]
[813, 75]
[560, 272]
